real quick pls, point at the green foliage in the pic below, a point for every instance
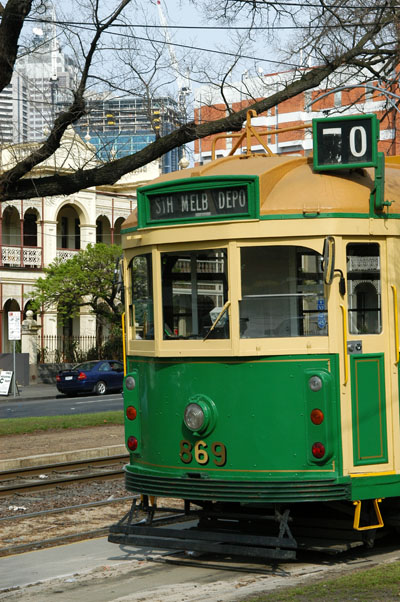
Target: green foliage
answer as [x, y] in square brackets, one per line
[19, 426]
[85, 280]
[379, 583]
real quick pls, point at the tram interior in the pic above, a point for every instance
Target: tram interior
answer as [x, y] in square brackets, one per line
[282, 293]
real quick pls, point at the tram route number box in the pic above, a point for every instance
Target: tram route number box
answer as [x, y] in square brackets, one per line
[345, 142]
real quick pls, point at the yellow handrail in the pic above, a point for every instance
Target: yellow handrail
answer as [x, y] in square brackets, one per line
[123, 342]
[346, 359]
[357, 514]
[396, 323]
[250, 131]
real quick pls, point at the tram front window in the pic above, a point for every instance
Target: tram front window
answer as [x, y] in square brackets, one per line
[141, 297]
[282, 293]
[194, 291]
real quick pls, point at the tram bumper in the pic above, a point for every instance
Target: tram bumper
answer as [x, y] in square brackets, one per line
[242, 491]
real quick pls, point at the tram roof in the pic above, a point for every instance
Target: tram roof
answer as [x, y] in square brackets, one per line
[288, 184]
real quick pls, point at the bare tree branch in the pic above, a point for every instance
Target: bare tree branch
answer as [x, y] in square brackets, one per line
[12, 20]
[363, 36]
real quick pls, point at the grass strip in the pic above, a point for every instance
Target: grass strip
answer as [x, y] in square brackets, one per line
[19, 426]
[380, 583]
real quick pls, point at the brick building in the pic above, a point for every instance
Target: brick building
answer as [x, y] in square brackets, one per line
[342, 95]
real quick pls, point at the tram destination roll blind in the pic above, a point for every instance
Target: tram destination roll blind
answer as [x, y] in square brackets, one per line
[205, 203]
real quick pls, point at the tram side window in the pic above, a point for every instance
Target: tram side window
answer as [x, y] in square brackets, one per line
[364, 288]
[194, 291]
[141, 297]
[282, 293]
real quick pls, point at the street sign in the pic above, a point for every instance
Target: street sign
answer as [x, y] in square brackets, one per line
[345, 142]
[14, 326]
[5, 381]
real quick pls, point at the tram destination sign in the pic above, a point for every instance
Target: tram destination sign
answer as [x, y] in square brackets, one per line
[197, 204]
[346, 142]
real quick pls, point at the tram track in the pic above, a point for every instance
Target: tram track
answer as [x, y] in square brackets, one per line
[11, 480]
[77, 534]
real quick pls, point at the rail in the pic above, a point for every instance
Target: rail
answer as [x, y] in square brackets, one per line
[396, 323]
[250, 132]
[345, 358]
[14, 475]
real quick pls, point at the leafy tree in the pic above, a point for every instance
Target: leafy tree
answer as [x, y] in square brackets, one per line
[360, 37]
[86, 280]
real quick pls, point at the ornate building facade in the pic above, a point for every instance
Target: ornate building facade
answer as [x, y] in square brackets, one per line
[33, 233]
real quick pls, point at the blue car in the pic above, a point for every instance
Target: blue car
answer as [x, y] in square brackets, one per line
[97, 377]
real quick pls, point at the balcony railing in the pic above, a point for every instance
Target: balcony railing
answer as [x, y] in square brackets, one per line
[65, 254]
[31, 256]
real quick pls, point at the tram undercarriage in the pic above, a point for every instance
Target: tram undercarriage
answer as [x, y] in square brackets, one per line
[274, 532]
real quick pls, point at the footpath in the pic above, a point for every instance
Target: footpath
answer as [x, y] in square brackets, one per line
[39, 391]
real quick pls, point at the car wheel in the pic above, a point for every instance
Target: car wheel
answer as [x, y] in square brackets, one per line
[100, 388]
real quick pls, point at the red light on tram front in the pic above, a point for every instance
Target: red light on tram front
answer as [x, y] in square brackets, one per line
[317, 416]
[131, 413]
[318, 450]
[132, 443]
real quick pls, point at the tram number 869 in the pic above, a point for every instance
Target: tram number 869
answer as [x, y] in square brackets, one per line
[200, 452]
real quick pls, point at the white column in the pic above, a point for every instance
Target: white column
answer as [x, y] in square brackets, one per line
[50, 241]
[88, 235]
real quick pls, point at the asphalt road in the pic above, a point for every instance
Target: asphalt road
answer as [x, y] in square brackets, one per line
[60, 405]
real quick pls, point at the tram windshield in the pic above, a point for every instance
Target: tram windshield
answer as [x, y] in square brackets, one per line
[141, 297]
[282, 293]
[194, 291]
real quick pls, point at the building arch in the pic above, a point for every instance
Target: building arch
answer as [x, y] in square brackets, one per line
[103, 230]
[69, 227]
[11, 226]
[10, 304]
[117, 230]
[28, 305]
[31, 232]
[79, 208]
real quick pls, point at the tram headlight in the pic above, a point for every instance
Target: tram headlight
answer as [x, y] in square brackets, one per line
[194, 417]
[130, 383]
[315, 383]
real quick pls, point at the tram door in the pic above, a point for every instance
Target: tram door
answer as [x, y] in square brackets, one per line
[366, 354]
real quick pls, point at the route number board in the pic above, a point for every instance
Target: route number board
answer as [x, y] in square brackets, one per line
[345, 142]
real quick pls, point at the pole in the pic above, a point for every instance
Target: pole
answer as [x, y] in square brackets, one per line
[14, 373]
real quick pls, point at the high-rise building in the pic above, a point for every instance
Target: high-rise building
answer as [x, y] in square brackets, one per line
[50, 74]
[14, 111]
[121, 125]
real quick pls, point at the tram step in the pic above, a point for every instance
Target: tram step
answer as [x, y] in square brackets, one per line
[202, 546]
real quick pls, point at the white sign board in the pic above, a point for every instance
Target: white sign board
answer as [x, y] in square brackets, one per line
[5, 381]
[14, 326]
